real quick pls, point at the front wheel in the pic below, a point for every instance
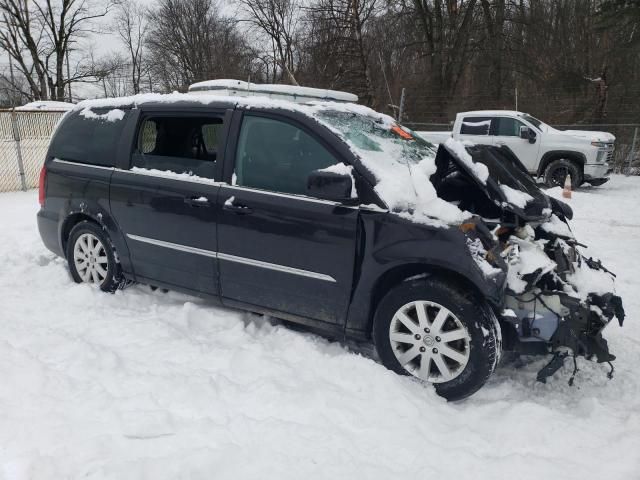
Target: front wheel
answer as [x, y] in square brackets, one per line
[557, 171]
[439, 334]
[91, 257]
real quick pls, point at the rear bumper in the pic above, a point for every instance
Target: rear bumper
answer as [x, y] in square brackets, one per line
[48, 228]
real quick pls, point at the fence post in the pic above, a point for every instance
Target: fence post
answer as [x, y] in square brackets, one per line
[401, 109]
[632, 151]
[16, 139]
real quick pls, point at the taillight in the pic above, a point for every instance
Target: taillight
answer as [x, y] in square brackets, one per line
[42, 185]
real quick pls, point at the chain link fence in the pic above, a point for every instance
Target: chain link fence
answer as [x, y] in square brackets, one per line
[626, 158]
[24, 139]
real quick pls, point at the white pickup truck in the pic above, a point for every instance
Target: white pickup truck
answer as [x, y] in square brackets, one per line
[545, 151]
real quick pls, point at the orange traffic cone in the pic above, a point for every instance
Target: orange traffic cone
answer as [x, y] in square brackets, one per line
[566, 191]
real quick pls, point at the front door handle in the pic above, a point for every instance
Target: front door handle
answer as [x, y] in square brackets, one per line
[238, 208]
[197, 201]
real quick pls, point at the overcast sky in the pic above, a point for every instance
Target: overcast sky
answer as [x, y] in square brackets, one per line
[103, 44]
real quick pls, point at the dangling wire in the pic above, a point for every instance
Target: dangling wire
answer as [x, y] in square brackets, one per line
[610, 374]
[575, 370]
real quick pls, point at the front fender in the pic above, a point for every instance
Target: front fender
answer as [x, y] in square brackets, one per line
[394, 249]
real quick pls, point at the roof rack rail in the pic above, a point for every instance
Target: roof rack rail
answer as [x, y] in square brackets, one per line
[238, 88]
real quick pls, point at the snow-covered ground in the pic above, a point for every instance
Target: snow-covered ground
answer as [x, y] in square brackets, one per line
[143, 384]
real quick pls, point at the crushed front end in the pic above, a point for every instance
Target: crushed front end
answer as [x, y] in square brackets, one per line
[558, 300]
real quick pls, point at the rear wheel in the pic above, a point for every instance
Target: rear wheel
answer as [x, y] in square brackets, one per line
[439, 334]
[91, 257]
[557, 171]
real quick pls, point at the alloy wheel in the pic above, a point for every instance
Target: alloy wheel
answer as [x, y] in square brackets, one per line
[559, 175]
[429, 341]
[90, 259]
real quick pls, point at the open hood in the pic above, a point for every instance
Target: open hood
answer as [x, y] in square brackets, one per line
[508, 184]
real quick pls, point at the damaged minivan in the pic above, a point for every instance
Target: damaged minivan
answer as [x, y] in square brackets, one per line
[331, 215]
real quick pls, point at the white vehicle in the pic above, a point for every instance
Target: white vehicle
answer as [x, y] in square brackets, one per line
[545, 151]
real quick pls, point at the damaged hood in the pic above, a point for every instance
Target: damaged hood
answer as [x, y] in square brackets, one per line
[507, 184]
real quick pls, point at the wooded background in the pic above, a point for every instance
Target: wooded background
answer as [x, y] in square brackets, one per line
[570, 61]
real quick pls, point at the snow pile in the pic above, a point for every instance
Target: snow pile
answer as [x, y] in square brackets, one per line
[516, 197]
[111, 116]
[586, 280]
[150, 385]
[557, 227]
[478, 253]
[531, 260]
[479, 170]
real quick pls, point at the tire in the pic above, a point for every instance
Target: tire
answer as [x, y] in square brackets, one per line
[557, 170]
[90, 246]
[416, 349]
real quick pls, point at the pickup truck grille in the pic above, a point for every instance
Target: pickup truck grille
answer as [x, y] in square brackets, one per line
[609, 156]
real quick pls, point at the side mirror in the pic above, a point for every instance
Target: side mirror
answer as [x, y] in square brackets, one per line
[527, 134]
[330, 186]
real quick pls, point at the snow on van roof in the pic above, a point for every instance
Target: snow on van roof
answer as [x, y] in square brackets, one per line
[290, 92]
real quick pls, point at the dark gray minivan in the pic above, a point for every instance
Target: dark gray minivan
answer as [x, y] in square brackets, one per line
[330, 215]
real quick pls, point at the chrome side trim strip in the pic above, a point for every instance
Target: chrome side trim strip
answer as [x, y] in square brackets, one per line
[173, 246]
[80, 164]
[233, 258]
[148, 173]
[287, 195]
[276, 267]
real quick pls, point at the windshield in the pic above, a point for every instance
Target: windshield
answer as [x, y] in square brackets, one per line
[401, 162]
[375, 136]
[535, 122]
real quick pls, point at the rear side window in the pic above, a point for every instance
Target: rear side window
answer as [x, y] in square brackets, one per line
[89, 136]
[475, 126]
[179, 144]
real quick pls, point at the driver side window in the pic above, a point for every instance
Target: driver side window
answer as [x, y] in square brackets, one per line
[507, 127]
[277, 156]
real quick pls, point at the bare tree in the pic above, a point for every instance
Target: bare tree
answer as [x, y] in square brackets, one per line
[338, 32]
[132, 27]
[190, 41]
[278, 21]
[38, 36]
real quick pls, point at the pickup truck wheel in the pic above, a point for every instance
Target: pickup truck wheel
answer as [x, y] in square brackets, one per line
[437, 333]
[557, 171]
[91, 257]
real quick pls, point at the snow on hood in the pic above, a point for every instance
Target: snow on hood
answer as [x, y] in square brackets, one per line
[456, 148]
[557, 227]
[592, 136]
[516, 197]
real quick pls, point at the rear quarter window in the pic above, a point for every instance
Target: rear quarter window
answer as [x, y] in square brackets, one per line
[90, 137]
[475, 126]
